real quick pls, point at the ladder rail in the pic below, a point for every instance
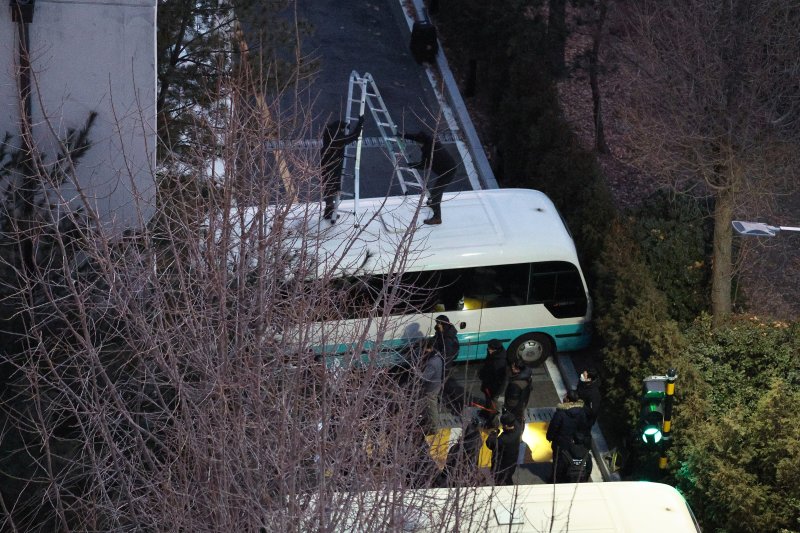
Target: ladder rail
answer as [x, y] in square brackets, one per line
[363, 91]
[354, 80]
[395, 146]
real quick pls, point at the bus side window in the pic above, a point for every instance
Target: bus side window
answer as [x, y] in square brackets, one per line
[357, 296]
[501, 285]
[414, 292]
[451, 285]
[558, 286]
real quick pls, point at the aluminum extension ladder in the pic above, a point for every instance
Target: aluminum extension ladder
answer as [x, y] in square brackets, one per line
[362, 92]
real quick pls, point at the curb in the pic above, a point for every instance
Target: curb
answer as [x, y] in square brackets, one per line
[484, 178]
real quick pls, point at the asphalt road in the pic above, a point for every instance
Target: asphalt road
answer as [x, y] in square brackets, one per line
[535, 454]
[370, 37]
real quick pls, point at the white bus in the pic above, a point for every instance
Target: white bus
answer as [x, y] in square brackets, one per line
[502, 265]
[613, 507]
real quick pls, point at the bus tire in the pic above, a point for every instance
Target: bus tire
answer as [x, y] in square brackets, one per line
[532, 349]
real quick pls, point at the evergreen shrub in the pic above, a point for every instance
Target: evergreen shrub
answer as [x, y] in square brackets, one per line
[739, 455]
[674, 234]
[632, 322]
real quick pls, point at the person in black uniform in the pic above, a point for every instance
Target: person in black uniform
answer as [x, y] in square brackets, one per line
[493, 373]
[446, 339]
[568, 424]
[518, 391]
[588, 390]
[566, 429]
[505, 449]
[435, 158]
[334, 140]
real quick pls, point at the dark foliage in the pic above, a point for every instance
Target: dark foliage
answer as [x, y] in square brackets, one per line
[675, 234]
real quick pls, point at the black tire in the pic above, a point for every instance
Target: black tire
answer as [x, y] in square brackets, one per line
[531, 349]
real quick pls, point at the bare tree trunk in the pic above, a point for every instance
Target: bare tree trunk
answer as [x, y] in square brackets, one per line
[594, 82]
[722, 270]
[557, 35]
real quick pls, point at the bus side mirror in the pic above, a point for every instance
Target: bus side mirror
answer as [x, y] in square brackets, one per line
[462, 325]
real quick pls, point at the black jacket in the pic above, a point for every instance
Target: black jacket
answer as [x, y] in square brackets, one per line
[334, 140]
[518, 391]
[446, 342]
[505, 447]
[589, 392]
[568, 424]
[493, 372]
[433, 155]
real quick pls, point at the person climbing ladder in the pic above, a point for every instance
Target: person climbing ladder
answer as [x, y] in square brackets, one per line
[334, 140]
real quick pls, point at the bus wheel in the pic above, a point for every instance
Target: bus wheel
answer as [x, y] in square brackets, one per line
[532, 349]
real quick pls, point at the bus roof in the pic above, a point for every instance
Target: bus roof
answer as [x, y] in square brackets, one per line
[613, 507]
[498, 226]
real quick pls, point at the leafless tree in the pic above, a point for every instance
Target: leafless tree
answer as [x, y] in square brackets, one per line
[714, 106]
[170, 379]
[597, 31]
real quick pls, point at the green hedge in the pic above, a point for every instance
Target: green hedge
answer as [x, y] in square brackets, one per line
[739, 457]
[639, 337]
[674, 234]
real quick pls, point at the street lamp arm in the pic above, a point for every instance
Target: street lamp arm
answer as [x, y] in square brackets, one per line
[759, 229]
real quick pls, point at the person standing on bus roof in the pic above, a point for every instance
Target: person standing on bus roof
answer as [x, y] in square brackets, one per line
[505, 449]
[432, 381]
[334, 140]
[435, 158]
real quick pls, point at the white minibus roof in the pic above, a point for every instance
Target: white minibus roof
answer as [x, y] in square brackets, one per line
[498, 226]
[613, 507]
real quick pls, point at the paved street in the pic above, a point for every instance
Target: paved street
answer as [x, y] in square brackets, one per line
[371, 37]
[535, 453]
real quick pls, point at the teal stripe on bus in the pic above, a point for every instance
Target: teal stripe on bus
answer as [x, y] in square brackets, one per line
[567, 338]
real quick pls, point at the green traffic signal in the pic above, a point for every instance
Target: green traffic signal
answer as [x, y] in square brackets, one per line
[651, 419]
[651, 434]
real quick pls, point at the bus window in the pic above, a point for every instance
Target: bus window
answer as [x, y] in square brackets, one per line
[356, 296]
[503, 285]
[557, 285]
[452, 284]
[415, 292]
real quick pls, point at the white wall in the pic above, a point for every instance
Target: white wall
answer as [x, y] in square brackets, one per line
[87, 56]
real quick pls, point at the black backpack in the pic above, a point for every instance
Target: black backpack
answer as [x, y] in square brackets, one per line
[574, 464]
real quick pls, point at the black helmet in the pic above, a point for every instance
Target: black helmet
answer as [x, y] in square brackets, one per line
[495, 344]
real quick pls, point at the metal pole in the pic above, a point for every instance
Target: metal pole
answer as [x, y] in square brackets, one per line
[672, 375]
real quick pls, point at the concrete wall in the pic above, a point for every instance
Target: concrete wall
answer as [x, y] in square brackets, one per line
[88, 56]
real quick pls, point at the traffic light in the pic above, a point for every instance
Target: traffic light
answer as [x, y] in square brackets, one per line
[651, 419]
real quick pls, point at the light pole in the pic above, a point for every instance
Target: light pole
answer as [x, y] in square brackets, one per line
[759, 229]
